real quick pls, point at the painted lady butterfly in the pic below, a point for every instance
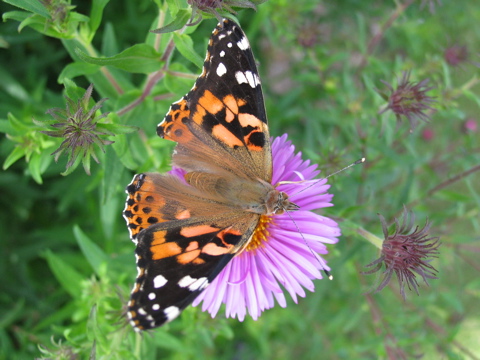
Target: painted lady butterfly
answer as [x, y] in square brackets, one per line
[187, 231]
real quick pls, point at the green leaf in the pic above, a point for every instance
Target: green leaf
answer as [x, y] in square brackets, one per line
[140, 58]
[113, 171]
[13, 314]
[66, 275]
[76, 69]
[178, 84]
[167, 341]
[180, 20]
[93, 253]
[472, 96]
[33, 6]
[72, 168]
[15, 155]
[11, 86]
[5, 127]
[173, 7]
[124, 153]
[117, 129]
[34, 166]
[184, 45]
[109, 41]
[40, 24]
[96, 15]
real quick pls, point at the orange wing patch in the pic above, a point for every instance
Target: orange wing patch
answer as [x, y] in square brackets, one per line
[165, 250]
[143, 202]
[215, 244]
[173, 127]
[210, 103]
[146, 205]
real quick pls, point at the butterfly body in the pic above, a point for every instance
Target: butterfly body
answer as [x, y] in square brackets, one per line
[187, 225]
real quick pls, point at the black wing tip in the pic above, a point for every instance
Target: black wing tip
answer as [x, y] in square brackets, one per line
[226, 24]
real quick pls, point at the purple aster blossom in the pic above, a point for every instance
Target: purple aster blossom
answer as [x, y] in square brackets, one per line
[288, 247]
[211, 7]
[408, 99]
[407, 253]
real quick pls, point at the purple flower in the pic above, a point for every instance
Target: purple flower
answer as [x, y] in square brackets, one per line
[285, 250]
[78, 125]
[456, 54]
[407, 253]
[408, 99]
[211, 6]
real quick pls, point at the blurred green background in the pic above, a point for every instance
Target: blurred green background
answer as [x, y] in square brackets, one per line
[67, 263]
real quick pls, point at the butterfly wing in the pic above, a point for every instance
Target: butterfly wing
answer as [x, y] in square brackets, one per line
[183, 241]
[186, 234]
[223, 117]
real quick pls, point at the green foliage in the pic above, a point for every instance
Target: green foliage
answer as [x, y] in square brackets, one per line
[68, 265]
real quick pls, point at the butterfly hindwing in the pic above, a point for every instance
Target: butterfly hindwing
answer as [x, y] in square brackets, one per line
[179, 249]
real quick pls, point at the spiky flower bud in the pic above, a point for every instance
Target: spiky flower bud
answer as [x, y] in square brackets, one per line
[79, 128]
[406, 253]
[456, 54]
[408, 99]
[213, 6]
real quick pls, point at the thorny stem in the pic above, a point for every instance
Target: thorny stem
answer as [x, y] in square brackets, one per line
[445, 184]
[380, 328]
[375, 40]
[439, 330]
[161, 21]
[182, 75]
[111, 79]
[469, 84]
[377, 317]
[467, 259]
[104, 70]
[162, 97]
[370, 237]
[154, 78]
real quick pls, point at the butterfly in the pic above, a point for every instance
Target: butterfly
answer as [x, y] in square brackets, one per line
[186, 229]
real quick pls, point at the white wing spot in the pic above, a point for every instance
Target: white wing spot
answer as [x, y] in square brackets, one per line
[229, 45]
[222, 53]
[142, 311]
[159, 281]
[243, 44]
[155, 307]
[221, 70]
[134, 325]
[192, 283]
[250, 78]
[152, 296]
[171, 312]
[247, 77]
[240, 76]
[221, 36]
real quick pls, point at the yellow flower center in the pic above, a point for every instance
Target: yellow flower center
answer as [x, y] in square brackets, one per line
[260, 234]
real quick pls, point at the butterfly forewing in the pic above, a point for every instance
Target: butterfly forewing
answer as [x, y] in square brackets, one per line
[227, 104]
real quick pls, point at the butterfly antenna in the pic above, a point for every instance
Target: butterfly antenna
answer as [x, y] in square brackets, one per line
[359, 161]
[327, 273]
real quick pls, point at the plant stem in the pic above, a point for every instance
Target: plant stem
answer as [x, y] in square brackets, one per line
[370, 237]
